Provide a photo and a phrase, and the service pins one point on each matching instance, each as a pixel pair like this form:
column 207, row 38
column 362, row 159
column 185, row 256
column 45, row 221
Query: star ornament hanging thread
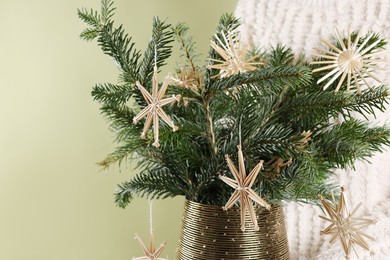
column 233, row 54
column 153, row 111
column 344, row 226
column 243, row 189
column 351, row 60
column 151, row 253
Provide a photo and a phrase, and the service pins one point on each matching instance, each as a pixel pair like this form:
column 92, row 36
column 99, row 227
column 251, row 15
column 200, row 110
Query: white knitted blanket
column 299, row 24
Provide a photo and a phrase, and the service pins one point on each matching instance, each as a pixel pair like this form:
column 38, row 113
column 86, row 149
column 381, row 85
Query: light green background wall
column 54, row 203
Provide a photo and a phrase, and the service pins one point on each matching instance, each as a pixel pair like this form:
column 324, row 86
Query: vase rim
column 220, row 206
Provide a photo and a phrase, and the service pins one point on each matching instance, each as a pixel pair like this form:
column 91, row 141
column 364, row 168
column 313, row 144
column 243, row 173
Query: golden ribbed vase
column 210, row 233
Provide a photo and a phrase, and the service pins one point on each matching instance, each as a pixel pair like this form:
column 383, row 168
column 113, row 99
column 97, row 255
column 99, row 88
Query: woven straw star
column 243, row 191
column 353, row 60
column 188, row 79
column 150, row 253
column 344, row 226
column 154, row 109
column 234, row 56
column 278, row 163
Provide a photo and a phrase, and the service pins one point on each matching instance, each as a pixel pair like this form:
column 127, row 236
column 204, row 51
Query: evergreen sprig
column 159, row 48
column 275, row 76
column 350, row 141
column 153, row 184
column 111, row 93
column 187, row 46
column 118, row 45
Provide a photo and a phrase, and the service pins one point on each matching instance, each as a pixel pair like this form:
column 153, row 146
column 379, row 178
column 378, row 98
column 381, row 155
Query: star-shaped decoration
column 154, row 109
column 150, row 253
column 278, row 163
column 234, row 56
column 243, row 191
column 352, row 60
column 344, row 225
column 189, row 79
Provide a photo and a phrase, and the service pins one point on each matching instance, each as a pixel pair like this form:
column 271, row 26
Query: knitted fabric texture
column 299, row 24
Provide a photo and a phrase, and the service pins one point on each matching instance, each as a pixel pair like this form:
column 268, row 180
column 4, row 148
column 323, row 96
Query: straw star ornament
column 234, row 56
column 243, row 191
column 151, row 253
column 154, row 109
column 345, row 226
column 188, row 79
column 349, row 61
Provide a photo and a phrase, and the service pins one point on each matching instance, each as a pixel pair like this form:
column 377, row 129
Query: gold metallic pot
column 210, row 233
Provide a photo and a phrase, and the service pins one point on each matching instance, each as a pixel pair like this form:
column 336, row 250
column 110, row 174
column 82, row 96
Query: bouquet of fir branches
column 287, row 118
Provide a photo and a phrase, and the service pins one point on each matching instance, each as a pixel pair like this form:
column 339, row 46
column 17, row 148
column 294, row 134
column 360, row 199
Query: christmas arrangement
column 245, row 127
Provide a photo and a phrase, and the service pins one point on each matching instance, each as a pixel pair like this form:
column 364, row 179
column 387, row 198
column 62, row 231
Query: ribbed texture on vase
column 210, row 233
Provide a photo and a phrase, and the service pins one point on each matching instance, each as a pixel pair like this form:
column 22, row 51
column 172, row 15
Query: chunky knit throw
column 299, row 24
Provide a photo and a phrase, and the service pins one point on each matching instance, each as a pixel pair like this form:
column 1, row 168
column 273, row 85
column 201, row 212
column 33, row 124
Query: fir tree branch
column 121, row 153
column 160, row 46
column 210, row 125
column 89, row 17
column 112, row 94
column 350, row 141
column 119, row 116
column 369, row 100
column 187, row 46
column 123, row 195
column 118, row 45
column 272, row 140
column 310, row 109
column 120, row 119
column 280, row 56
column 89, row 34
column 277, row 77
column 154, row 184
column 95, row 20
column 107, row 11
